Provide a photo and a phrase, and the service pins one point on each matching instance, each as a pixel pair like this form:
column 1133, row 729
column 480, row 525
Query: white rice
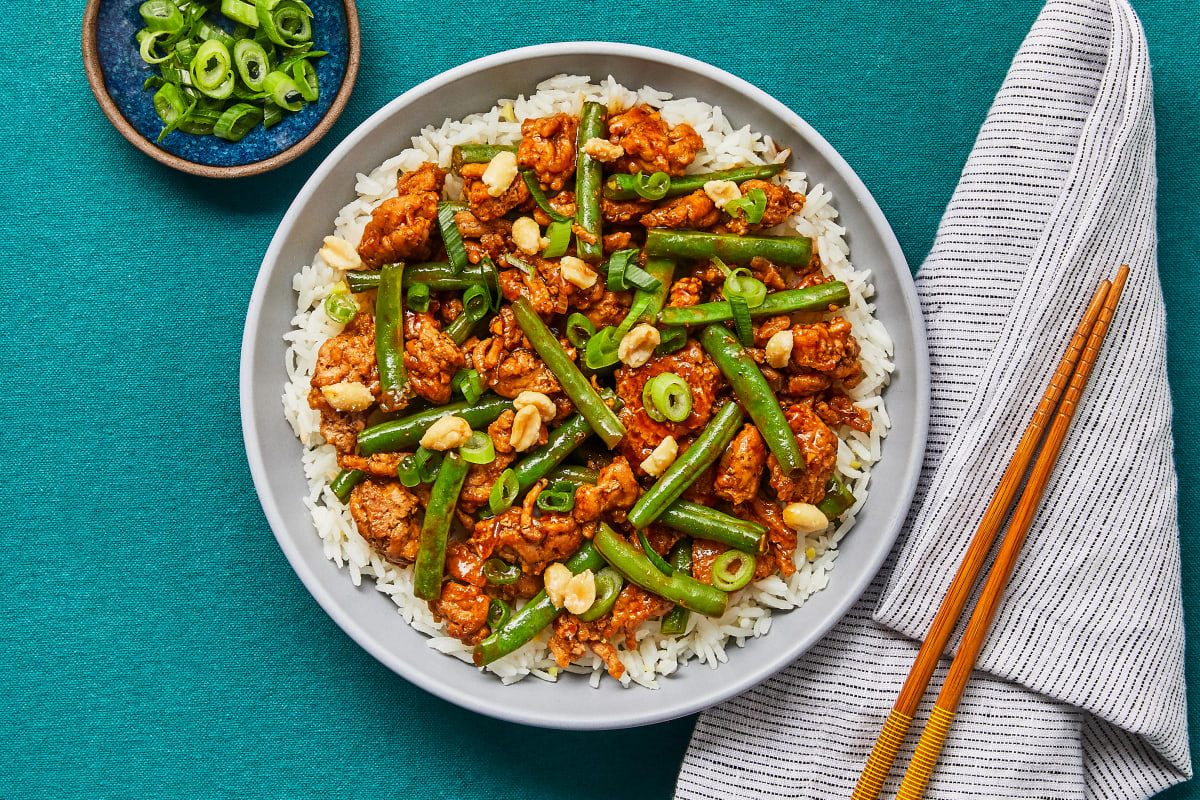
column 749, row 611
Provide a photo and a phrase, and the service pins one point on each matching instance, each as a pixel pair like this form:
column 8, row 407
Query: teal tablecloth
column 154, row 640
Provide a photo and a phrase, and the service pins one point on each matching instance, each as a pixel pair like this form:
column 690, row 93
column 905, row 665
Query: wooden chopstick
column 879, row 763
column 936, row 729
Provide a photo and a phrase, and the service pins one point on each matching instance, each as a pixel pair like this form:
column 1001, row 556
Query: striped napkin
column 1079, row 692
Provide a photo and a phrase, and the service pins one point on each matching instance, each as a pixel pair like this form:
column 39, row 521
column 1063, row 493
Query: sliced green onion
column 476, row 302
column 305, row 75
column 838, row 498
column 601, row 350
column 272, row 114
column 420, row 467
column 146, row 44
column 478, row 449
column 468, row 383
column 418, row 298
column 618, row 262
column 185, row 50
column 499, row 613
column 670, row 340
column 539, row 197
column 653, row 186
column 559, row 234
column 207, row 33
column 340, row 307
column 670, row 395
column 237, row 120
column 251, row 62
column 283, row 90
column 633, row 317
column 609, row 583
column 171, row 107
column 212, row 70
column 658, row 561
column 518, row 263
column 284, row 22
column 491, row 282
column 648, row 404
column 740, row 283
column 161, row 16
column 240, row 12
column 504, row 492
column 579, row 330
column 639, row 278
column 741, row 320
column 558, row 497
column 732, row 570
column 500, row 572
column 456, row 251
column 753, row 205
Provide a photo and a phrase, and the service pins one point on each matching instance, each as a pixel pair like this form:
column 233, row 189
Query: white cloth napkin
column 1079, row 692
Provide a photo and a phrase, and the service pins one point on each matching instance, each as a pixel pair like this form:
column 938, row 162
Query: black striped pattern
column 1084, row 691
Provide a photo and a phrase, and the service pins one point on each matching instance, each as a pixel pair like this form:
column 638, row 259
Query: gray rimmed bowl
column 369, row 617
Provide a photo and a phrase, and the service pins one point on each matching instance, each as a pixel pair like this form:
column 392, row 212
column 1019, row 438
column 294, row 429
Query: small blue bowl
column 116, row 74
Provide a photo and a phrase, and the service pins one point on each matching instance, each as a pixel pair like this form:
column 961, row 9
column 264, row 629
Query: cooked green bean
column 577, row 387
column 345, row 482
column 700, row 522
column 589, row 174
column 751, row 389
column 389, row 339
column 399, row 434
column 621, row 187
column 675, row 621
column 534, row 615
column 561, row 442
column 822, row 297
column 729, row 247
column 609, row 583
column 681, row 589
column 439, row 513
column 687, row 467
column 476, row 154
column 438, row 275
column 838, row 498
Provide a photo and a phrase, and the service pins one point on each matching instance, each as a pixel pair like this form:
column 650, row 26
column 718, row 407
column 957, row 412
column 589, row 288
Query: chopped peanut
column 545, row 406
column 556, row 577
column 348, row 396
column 507, row 113
column 638, row 345
column 446, row 434
column 527, row 235
column 526, row 426
column 339, row 254
column 603, row 150
column 779, row 349
column 580, row 593
column 500, row 173
column 662, row 457
column 722, row 192
column 804, row 518
column 577, row 273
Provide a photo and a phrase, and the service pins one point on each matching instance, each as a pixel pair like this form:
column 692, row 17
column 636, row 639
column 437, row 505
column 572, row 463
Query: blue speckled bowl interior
column 125, row 72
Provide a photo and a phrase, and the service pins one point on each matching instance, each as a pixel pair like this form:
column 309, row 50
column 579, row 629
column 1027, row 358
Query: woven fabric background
column 155, row 641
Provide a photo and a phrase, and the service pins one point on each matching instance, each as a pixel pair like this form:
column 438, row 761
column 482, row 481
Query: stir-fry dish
column 588, row 396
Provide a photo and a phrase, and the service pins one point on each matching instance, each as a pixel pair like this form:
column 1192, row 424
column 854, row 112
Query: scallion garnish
column 418, row 298
column 478, row 449
column 559, row 234
column 653, row 186
column 753, row 205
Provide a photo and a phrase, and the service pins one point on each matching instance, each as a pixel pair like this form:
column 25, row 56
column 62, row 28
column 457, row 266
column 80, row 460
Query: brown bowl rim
column 95, row 77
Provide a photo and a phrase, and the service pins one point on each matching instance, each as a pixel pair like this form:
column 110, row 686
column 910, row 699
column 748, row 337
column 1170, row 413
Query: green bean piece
column 609, row 584
column 621, row 187
column 431, row 555
column 697, row 521
column 476, row 154
column 729, row 247
column 681, row 589
column 346, row 480
column 389, row 339
column 707, row 448
column 398, row 434
column 751, row 389
column 561, row 441
column 577, row 387
column 461, row 328
column 589, row 174
column 534, row 615
column 661, row 269
column 822, row 297
column 438, row 275
column 838, row 498
column 675, row 621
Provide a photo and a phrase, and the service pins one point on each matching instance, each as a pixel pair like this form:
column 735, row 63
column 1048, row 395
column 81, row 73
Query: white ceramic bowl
column 369, row 617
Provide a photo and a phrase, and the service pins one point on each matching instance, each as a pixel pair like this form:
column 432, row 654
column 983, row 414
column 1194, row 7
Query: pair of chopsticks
column 1076, row 366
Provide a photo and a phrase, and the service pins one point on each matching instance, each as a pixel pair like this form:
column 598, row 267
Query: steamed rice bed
column 748, row 614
